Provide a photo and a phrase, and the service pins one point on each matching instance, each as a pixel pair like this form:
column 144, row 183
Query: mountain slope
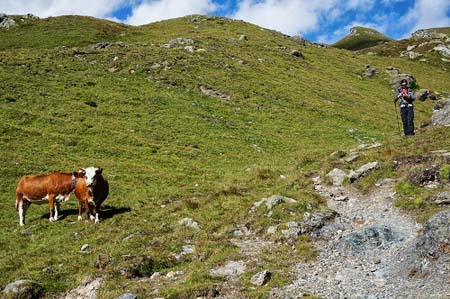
column 361, row 38
column 136, row 106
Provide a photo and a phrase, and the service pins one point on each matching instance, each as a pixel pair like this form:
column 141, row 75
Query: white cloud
column 287, row 16
column 151, row 11
column 364, row 5
column 46, row 8
column 428, row 14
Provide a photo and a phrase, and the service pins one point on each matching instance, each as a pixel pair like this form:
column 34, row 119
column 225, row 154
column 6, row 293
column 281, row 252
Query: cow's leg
column 97, row 211
column 88, row 210
column 19, row 208
column 51, row 203
column 56, row 210
column 80, row 210
column 23, row 207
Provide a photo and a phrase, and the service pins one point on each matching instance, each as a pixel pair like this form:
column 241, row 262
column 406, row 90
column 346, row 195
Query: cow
column 93, row 189
column 52, row 188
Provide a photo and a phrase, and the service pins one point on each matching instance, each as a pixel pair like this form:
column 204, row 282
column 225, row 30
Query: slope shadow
column 105, row 213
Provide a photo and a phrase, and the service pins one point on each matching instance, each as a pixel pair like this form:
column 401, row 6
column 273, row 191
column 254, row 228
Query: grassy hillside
column 361, row 38
column 169, row 151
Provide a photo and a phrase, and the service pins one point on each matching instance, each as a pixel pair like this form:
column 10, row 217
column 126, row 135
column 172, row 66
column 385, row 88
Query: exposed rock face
column 6, row 22
column 127, row 296
column 442, row 198
column 23, row 289
column 363, row 170
column 428, row 34
column 369, row 238
column 436, row 235
column 441, row 114
column 86, row 290
column 443, row 50
column 231, row 268
column 337, row 176
column 105, row 45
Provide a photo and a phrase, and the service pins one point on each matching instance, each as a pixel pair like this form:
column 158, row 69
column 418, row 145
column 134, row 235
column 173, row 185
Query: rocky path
column 368, row 252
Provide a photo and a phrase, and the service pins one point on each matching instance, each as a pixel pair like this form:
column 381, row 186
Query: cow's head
column 91, row 174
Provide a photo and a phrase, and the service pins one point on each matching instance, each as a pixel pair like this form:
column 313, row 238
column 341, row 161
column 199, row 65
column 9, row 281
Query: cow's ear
column 81, row 172
column 99, row 170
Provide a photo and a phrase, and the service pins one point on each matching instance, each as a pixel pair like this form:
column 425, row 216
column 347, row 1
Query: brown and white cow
column 53, row 188
column 93, row 189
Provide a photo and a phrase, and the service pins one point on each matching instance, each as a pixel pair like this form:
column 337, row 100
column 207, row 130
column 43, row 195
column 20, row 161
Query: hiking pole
column 398, row 124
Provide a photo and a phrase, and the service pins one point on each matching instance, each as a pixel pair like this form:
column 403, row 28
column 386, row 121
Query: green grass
column 170, row 152
column 362, row 38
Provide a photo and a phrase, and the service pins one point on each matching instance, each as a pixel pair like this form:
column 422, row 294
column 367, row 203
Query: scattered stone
column 396, row 79
column 271, row 230
column 241, row 231
column 113, row 70
column 424, row 175
column 441, row 114
column 178, row 42
column 189, row 222
column 297, row 53
column 299, row 39
column 261, row 278
column 84, row 248
column 105, row 45
column 312, row 223
column 214, row 93
column 341, row 198
column 86, row 290
column 292, row 231
column 127, row 296
column 231, row 268
column 338, row 154
column 392, row 71
column 185, row 250
column 443, row 50
column 370, row 72
column 272, row 201
column 337, row 176
column 23, row 289
column 363, row 171
column 428, row 34
column 6, row 22
column 435, row 239
column 442, row 198
column 422, row 94
column 352, row 158
column 190, row 49
column 243, row 38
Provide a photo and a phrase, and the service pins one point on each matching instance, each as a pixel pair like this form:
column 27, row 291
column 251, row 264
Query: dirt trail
column 368, row 252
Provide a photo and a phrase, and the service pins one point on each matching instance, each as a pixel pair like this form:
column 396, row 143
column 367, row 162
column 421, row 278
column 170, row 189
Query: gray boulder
column 369, row 238
column 272, row 201
column 422, row 94
column 337, row 176
column 23, row 289
column 127, row 296
column 436, row 235
column 299, row 39
column 441, row 113
column 442, row 198
column 363, row 171
column 189, row 222
column 231, row 268
column 243, row 37
column 261, row 278
column 396, row 79
column 178, row 42
column 443, row 50
column 297, row 53
column 7, row 22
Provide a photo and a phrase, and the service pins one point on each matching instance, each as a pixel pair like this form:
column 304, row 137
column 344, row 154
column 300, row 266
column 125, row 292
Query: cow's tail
column 18, row 198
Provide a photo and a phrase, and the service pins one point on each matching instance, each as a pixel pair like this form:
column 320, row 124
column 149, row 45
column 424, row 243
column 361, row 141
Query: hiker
column 407, row 98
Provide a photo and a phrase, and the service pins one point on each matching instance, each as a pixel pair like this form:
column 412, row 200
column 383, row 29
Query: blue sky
column 323, row 21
